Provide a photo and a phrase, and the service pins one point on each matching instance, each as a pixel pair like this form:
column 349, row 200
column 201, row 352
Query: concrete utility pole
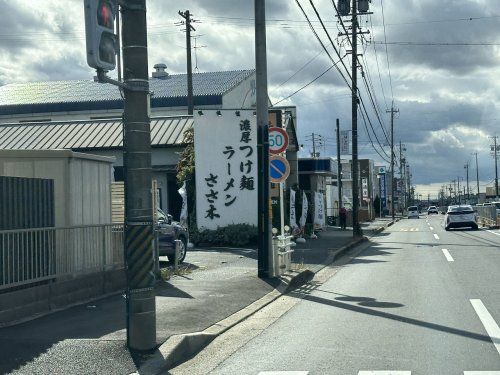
column 466, row 166
column 392, row 111
column 496, row 165
column 458, row 190
column 339, row 166
column 141, row 309
column 187, row 17
column 477, row 178
column 265, row 255
column 314, row 145
column 355, row 167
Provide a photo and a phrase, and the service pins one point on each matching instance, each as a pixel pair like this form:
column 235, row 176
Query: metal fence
column 32, row 255
column 487, row 215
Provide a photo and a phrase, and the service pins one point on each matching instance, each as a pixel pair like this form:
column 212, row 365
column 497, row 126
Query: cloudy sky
column 440, row 66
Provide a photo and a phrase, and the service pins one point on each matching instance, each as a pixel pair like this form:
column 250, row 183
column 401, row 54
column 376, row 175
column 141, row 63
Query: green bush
column 232, row 235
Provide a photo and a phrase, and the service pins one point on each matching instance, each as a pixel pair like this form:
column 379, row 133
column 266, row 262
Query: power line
column 437, row 43
column 308, row 84
column 386, row 51
column 300, row 69
column 378, row 67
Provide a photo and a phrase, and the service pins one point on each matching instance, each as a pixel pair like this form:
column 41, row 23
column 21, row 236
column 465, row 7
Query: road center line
column 283, row 372
column 447, row 255
column 488, row 322
column 436, row 236
column 384, row 373
column 481, row 372
column 431, row 228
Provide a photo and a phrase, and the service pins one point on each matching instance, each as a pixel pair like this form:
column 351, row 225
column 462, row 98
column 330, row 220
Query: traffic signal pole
column 141, row 308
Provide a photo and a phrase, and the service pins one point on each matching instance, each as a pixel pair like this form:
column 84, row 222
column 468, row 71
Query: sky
column 438, row 62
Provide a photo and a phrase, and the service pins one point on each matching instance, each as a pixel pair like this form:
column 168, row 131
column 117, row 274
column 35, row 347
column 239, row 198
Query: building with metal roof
column 105, row 138
column 86, row 99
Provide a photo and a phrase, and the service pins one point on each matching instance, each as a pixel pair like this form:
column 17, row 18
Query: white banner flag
column 184, row 210
column 305, row 205
column 345, row 142
column 319, row 210
column 293, row 219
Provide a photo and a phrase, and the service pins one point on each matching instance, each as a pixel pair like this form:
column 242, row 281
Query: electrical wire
column 386, row 50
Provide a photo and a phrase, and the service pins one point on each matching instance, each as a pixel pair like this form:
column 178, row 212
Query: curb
column 179, row 348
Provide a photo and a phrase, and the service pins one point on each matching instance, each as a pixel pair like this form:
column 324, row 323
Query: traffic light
column 100, row 33
column 363, row 6
column 344, row 7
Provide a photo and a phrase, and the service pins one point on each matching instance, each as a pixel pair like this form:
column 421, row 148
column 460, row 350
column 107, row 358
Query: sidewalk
column 219, row 282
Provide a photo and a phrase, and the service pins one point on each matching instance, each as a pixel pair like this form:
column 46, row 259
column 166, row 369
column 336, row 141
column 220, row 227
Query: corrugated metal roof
column 99, row 134
column 175, row 86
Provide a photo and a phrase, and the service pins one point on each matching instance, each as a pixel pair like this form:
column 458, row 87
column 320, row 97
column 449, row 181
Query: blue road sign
column 279, row 169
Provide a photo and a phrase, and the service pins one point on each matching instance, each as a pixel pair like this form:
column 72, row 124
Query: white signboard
column 364, row 184
column 344, row 142
column 226, row 168
column 293, row 218
column 319, row 210
column 305, row 206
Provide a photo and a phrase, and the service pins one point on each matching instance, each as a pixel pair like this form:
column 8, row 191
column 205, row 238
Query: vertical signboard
column 382, row 188
column 345, row 142
column 226, row 168
column 364, row 185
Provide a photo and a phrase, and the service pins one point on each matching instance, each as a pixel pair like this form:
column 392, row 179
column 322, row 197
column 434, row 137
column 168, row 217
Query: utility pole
column 458, row 190
column 477, row 178
column 339, row 166
column 466, row 166
column 265, row 254
column 393, row 190
column 495, row 150
column 187, row 19
column 314, row 145
column 141, row 310
column 355, row 167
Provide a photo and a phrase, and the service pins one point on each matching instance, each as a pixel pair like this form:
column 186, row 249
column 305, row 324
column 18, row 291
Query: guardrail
column 32, row 255
column 487, row 215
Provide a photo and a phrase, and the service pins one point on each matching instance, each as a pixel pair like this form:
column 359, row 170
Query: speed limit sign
column 278, row 140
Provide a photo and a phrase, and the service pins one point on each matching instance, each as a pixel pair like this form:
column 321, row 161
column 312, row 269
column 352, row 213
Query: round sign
column 279, row 169
column 278, row 140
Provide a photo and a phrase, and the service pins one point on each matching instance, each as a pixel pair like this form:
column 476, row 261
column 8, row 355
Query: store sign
column 382, row 188
column 226, row 168
column 364, row 185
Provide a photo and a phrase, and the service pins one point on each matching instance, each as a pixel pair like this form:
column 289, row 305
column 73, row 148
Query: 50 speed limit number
column 278, row 140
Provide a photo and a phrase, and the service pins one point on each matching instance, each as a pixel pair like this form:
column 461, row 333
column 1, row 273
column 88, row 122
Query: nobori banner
column 226, row 168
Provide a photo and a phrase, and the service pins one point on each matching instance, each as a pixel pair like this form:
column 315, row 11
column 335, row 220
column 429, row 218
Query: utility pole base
column 142, row 319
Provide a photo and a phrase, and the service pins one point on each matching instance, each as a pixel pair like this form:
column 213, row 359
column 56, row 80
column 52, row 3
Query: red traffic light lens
column 105, row 16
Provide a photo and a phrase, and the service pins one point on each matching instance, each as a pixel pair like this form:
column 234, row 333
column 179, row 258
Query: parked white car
column 460, row 217
column 413, row 212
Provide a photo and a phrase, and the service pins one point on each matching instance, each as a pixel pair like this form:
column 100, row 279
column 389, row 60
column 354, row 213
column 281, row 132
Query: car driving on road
column 432, row 210
column 413, row 212
column 462, row 216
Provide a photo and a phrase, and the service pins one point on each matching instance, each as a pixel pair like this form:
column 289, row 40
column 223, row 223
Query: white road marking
column 481, row 372
column 447, row 255
column 431, row 228
column 384, row 373
column 283, row 372
column 498, row 234
column 488, row 322
column 436, row 236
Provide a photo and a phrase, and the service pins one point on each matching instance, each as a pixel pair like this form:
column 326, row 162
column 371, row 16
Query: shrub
column 231, row 235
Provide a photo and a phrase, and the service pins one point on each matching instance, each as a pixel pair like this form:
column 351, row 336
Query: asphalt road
column 419, row 300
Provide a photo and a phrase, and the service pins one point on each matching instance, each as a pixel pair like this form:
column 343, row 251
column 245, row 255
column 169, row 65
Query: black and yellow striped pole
column 141, row 308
